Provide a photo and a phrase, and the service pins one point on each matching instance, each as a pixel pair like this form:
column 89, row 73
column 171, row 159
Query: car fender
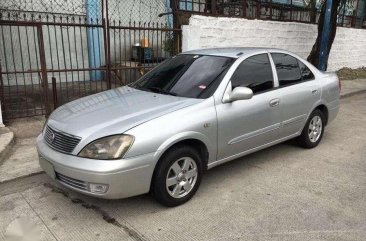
column 185, row 136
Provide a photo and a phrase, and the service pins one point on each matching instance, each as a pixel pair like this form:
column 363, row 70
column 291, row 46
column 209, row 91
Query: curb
column 21, row 177
column 6, row 142
column 352, row 93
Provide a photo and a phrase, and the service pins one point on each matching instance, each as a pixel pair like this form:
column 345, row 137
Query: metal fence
column 351, row 13
column 48, row 59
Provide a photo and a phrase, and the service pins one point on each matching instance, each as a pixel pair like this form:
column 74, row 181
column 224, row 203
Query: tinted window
column 305, row 72
column 185, row 75
column 255, row 73
column 287, row 67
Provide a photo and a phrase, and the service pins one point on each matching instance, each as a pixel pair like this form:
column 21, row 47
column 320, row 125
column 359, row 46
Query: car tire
column 177, row 176
column 313, row 131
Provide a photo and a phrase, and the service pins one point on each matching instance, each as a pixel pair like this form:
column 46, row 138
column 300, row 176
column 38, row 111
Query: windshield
column 186, row 75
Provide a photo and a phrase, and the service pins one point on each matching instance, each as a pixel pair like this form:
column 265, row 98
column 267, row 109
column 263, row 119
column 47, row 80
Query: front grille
column 60, row 141
column 72, row 182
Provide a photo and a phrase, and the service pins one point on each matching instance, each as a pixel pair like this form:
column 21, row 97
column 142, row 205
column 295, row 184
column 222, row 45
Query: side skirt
column 218, row 162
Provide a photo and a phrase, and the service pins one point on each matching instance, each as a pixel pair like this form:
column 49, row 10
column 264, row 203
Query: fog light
column 98, row 188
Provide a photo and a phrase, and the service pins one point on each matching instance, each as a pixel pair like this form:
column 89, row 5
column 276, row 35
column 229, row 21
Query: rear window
column 287, row 68
column 305, row 72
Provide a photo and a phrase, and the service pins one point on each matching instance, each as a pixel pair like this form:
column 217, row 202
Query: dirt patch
column 350, row 74
column 105, row 215
column 29, row 127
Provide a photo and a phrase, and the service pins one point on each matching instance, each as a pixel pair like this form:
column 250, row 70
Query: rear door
column 298, row 90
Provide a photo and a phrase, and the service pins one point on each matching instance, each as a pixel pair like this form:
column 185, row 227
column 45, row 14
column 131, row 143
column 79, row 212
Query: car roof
column 234, row 52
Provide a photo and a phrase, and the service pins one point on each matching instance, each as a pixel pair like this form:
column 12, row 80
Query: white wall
column 348, row 50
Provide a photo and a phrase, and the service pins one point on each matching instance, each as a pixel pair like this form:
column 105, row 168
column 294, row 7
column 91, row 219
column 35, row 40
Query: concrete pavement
column 281, row 193
column 21, row 158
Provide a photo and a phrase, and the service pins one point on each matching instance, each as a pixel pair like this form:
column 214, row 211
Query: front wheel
column 177, row 176
column 313, row 130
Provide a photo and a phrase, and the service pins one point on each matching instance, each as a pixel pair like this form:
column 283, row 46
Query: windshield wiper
column 161, row 91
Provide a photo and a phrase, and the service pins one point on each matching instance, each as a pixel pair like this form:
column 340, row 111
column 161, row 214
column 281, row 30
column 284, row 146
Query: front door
column 246, row 124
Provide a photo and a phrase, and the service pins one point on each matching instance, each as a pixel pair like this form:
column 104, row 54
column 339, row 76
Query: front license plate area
column 47, row 166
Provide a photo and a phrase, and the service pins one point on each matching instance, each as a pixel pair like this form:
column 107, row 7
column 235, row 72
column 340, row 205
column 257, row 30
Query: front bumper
column 125, row 177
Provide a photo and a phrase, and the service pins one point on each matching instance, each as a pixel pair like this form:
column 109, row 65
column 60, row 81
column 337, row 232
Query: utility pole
column 325, row 36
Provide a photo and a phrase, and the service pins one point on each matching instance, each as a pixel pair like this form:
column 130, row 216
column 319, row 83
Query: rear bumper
column 125, row 177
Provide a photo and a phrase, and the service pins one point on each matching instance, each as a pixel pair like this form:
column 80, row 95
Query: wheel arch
column 323, row 108
column 195, row 140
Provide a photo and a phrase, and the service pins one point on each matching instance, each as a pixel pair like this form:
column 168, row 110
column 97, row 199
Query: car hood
column 114, row 111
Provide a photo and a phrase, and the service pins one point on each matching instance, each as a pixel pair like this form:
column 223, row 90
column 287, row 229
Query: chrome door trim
column 254, row 133
column 226, row 159
column 294, row 120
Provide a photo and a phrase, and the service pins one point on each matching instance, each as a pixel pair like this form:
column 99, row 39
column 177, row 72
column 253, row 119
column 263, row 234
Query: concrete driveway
column 281, row 193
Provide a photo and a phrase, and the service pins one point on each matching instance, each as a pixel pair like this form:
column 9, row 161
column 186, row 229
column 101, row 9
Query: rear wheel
column 313, row 130
column 177, row 176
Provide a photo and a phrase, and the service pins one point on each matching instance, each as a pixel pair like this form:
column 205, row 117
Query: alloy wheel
column 181, row 177
column 315, row 128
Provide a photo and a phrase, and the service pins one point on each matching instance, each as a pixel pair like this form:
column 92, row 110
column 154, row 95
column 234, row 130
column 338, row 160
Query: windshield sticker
column 202, row 87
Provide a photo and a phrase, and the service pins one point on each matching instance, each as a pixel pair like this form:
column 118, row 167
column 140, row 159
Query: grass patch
column 350, row 74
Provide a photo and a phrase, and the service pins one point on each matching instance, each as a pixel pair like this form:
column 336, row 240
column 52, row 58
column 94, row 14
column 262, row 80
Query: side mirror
column 239, row 93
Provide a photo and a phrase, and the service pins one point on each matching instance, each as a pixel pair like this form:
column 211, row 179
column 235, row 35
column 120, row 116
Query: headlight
column 106, row 148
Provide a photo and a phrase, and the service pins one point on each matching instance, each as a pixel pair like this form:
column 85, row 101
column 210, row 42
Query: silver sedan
column 191, row 113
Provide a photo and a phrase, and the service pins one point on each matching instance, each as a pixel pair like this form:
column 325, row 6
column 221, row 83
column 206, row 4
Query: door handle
column 314, row 91
column 274, row 102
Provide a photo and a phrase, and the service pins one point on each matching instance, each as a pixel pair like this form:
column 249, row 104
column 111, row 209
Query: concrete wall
column 349, row 47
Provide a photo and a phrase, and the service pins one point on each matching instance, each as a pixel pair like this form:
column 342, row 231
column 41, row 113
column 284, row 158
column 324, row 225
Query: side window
column 287, row 67
column 305, row 72
column 255, row 73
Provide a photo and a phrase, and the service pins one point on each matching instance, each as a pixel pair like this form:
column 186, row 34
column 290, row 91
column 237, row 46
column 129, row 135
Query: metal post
column 1, row 117
column 325, row 36
column 1, row 97
column 42, row 59
column 107, row 47
column 291, row 6
column 213, row 7
column 94, row 43
column 54, row 93
column 244, row 8
column 270, row 9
